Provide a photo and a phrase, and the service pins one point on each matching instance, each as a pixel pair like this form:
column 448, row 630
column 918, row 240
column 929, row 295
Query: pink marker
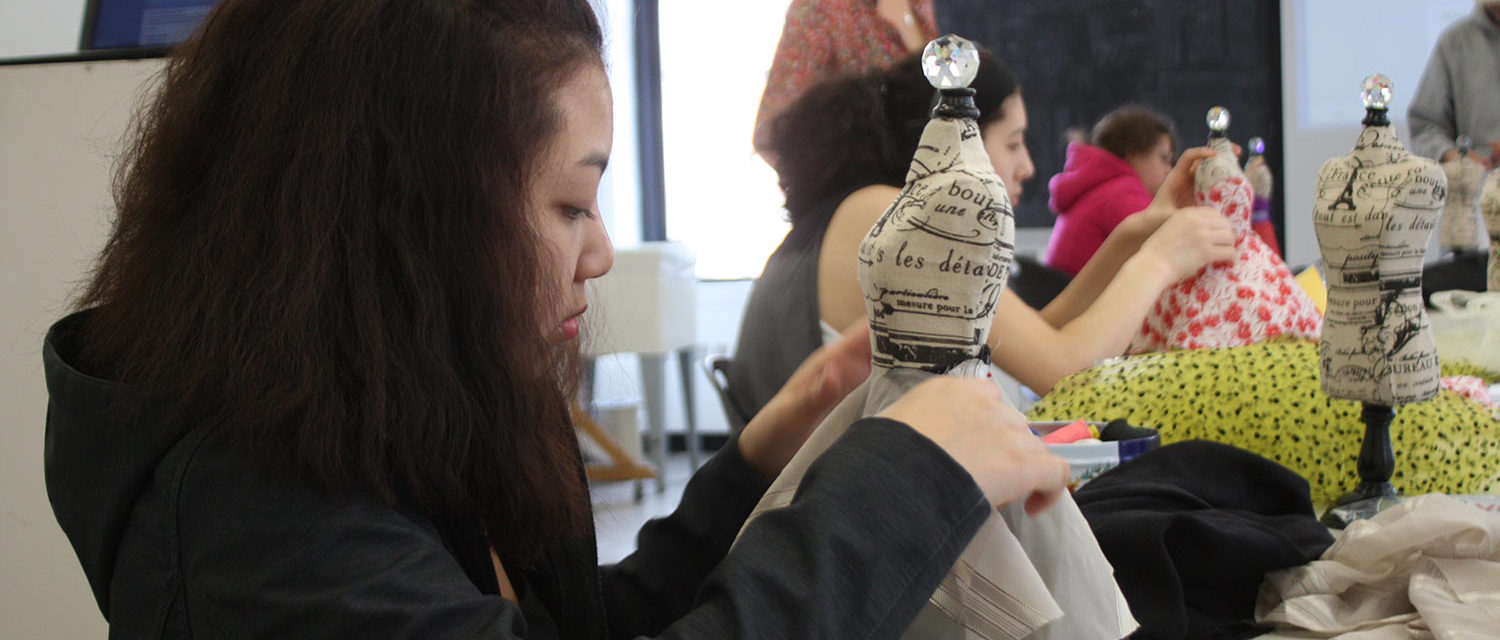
column 1078, row 430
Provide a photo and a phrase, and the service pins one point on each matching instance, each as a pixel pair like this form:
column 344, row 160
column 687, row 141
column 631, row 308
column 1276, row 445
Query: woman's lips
column 569, row 327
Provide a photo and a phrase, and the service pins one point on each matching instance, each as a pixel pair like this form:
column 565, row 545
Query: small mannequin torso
column 1252, row 299
column 1375, row 210
column 1259, row 176
column 934, row 265
column 1460, row 225
column 1489, row 206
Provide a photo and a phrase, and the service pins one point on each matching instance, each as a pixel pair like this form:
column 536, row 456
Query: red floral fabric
column 1228, row 305
column 824, row 38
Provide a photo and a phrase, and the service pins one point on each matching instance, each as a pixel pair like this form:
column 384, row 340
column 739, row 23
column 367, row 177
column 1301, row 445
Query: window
column 721, row 198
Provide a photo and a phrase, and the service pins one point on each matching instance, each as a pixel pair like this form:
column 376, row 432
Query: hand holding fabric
column 1189, row 239
column 971, row 421
column 1178, row 190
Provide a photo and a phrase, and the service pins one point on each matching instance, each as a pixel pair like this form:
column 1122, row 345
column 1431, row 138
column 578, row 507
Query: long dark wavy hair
column 862, row 129
column 323, row 244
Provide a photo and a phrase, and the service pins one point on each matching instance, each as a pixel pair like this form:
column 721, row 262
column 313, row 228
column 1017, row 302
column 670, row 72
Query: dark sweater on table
column 180, row 540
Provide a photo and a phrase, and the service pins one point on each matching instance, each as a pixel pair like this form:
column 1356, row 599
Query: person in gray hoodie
column 1459, row 93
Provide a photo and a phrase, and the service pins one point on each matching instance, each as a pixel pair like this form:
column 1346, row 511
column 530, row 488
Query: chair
column 716, row 367
column 1036, row 284
column 648, row 303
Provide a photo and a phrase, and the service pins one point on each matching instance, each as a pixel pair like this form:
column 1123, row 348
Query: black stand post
column 1377, row 462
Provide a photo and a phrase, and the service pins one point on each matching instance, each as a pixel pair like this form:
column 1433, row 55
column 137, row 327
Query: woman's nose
column 598, row 254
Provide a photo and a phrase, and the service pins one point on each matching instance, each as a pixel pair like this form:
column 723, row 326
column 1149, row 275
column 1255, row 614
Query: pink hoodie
column 1095, row 192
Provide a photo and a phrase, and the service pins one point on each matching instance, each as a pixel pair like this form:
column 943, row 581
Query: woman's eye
column 576, row 213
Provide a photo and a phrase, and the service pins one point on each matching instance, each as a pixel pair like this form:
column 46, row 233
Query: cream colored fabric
column 1461, row 228
column 1258, row 173
column 1041, row 577
column 1374, row 211
column 934, row 265
column 1426, row 568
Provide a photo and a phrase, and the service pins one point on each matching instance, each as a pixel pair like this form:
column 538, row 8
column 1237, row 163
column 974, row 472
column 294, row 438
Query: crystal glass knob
column 1218, row 119
column 950, row 62
column 1257, row 145
column 1376, row 92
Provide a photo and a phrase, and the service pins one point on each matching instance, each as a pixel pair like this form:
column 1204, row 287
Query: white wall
column 30, row 28
column 59, row 124
column 39, row 27
column 1327, row 49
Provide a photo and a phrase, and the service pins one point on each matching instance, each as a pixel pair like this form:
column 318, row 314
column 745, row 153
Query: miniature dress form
column 1249, row 300
column 1262, row 184
column 932, row 269
column 1459, row 231
column 1375, row 210
column 1489, row 205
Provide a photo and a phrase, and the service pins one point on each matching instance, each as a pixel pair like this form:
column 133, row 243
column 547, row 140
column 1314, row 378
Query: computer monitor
column 140, row 24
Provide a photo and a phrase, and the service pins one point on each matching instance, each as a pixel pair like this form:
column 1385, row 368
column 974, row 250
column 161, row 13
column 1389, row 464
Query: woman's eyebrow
column 599, row 160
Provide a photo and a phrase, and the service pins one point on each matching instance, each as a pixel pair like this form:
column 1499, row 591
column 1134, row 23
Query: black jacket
column 179, row 539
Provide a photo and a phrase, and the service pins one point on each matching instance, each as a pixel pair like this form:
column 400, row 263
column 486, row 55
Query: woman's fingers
column 970, row 420
column 829, row 374
column 1052, row 481
column 1177, row 189
column 776, row 433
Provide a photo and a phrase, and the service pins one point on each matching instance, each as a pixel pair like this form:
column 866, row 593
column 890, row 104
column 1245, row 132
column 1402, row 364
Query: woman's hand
column 971, row 421
column 776, row 433
column 1188, row 239
column 1177, row 191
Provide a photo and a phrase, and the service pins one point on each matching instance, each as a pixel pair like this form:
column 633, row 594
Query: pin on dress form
column 1251, row 299
column 1460, row 230
column 1374, row 212
column 932, row 269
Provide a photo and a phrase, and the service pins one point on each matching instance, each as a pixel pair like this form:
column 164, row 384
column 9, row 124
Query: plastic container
column 1089, row 458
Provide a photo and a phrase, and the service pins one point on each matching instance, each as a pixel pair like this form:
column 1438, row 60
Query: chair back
column 716, row 367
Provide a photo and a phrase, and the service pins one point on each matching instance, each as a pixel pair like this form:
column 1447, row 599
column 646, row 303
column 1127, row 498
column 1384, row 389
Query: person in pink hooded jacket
column 1104, row 182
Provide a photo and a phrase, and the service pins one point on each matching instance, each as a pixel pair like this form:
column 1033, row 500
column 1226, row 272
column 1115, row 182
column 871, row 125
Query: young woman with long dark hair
column 318, row 383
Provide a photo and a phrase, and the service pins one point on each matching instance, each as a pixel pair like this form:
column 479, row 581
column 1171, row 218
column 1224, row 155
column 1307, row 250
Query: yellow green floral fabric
column 1265, row 398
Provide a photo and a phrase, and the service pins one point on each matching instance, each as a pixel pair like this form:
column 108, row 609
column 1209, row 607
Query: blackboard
column 1079, row 59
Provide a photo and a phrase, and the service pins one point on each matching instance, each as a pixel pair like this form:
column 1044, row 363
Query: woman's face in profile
column 1154, row 164
column 1005, row 142
column 564, row 203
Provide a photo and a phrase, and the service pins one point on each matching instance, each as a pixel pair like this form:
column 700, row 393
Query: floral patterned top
column 823, row 38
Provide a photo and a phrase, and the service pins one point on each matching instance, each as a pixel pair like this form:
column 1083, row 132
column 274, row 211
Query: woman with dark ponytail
column 318, row 383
